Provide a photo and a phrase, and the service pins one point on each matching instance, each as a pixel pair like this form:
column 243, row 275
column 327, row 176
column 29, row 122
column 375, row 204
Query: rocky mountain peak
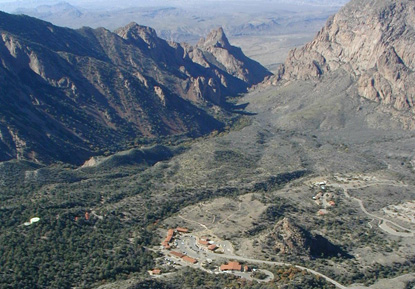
column 216, row 38
column 216, row 47
column 374, row 41
column 135, row 32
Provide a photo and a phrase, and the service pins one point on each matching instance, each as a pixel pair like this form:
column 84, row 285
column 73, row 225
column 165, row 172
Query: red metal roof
column 156, row 271
column 201, row 242
column 188, row 259
column 232, row 266
column 182, row 230
column 212, row 247
column 177, row 254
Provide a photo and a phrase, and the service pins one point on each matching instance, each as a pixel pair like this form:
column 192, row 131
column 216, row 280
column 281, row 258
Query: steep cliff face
column 69, row 94
column 374, row 41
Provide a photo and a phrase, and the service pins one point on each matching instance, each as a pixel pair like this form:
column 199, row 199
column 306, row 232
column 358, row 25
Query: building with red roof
column 212, row 247
column 189, row 259
column 203, row 242
column 177, row 254
column 182, row 230
column 168, row 239
column 231, row 266
column 155, row 272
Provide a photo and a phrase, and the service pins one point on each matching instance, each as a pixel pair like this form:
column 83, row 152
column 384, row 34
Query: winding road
column 384, row 222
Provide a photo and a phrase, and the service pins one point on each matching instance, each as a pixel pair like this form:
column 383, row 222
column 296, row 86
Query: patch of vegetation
column 378, row 271
column 410, row 285
column 234, row 158
column 295, row 278
column 259, row 275
column 191, row 278
column 59, row 252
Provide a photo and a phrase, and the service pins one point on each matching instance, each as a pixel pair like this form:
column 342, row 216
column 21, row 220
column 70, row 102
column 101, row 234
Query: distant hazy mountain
column 187, row 20
column 315, row 2
column 69, row 94
column 62, row 9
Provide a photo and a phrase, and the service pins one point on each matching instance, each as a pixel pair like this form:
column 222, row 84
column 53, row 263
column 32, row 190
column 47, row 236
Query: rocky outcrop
column 70, row 94
column 288, row 239
column 374, row 41
column 140, row 35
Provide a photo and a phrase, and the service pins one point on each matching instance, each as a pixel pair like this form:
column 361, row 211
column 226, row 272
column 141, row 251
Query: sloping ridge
column 144, row 157
column 374, row 41
column 70, row 94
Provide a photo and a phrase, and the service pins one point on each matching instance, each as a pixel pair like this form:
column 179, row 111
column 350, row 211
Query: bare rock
column 222, row 54
column 287, row 238
column 373, row 40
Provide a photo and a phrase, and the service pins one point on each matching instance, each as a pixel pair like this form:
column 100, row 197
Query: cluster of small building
column 170, row 234
column 321, row 184
column 167, row 245
column 323, row 197
column 204, row 242
column 328, row 197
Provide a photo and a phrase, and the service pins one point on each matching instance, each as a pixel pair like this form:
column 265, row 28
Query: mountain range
column 187, row 20
column 69, row 94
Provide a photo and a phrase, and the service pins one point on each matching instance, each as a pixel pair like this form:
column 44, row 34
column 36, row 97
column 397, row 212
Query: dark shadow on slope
column 321, row 247
column 273, row 182
column 238, row 108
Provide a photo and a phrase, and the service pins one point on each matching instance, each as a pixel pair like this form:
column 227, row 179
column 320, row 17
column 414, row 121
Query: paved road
column 384, row 222
column 248, row 276
column 187, row 244
column 250, row 260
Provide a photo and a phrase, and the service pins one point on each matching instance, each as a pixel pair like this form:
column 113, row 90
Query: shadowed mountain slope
column 69, row 94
